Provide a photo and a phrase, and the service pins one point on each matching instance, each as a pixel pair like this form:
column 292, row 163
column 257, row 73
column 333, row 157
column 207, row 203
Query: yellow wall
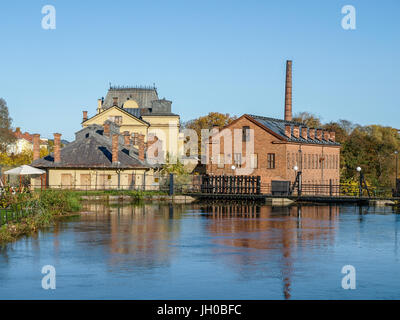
column 165, row 127
column 55, row 179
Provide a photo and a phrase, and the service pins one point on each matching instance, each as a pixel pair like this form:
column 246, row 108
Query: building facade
column 24, row 143
column 281, row 148
column 99, row 158
column 138, row 110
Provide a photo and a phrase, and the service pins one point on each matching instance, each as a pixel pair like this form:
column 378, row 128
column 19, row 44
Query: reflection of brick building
column 279, row 146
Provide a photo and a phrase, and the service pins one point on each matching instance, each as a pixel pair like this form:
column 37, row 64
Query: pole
column 171, row 184
column 360, row 185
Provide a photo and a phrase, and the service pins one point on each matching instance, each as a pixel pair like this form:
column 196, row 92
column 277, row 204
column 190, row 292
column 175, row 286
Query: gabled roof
column 128, row 112
column 277, row 126
column 92, row 149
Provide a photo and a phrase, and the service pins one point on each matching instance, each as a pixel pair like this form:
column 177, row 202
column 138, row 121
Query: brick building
column 281, row 147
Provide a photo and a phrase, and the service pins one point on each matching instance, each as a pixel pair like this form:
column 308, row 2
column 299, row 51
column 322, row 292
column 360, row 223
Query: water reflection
column 282, row 229
column 208, row 250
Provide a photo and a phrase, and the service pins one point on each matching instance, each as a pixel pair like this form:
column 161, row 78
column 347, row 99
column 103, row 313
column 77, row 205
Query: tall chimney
column 106, row 129
column 84, row 116
column 36, row 147
column 115, row 148
column 288, row 91
column 57, row 148
column 141, row 146
column 127, row 139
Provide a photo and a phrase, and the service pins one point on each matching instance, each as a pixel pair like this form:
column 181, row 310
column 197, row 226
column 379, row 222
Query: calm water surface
column 161, row 251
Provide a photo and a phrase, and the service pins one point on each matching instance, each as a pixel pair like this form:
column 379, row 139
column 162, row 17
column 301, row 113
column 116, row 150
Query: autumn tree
column 6, row 135
column 212, row 120
column 308, row 119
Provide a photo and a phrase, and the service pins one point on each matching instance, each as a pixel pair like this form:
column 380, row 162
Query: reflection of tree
column 137, row 236
column 277, row 230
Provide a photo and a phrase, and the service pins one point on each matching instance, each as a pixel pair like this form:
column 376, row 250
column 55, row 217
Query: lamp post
column 233, row 170
column 360, row 183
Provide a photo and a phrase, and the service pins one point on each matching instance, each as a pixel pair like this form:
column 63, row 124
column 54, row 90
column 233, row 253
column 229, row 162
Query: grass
column 49, row 205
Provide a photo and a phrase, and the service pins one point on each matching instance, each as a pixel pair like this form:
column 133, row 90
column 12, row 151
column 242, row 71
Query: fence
column 18, row 211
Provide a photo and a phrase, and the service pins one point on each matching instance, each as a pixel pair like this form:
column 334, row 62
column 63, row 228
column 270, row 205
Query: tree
column 308, row 119
column 6, row 134
column 212, row 120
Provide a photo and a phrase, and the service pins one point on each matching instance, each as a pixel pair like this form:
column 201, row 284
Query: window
column 271, row 161
column 116, row 119
column 245, row 134
column 254, row 161
column 221, row 161
column 237, row 159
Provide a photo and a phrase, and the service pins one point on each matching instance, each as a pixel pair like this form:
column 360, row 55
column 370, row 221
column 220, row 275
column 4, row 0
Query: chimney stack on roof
column 326, row 135
column 288, row 91
column 127, row 139
column 141, row 146
column 107, row 129
column 115, row 101
column 85, row 116
column 36, row 146
column 304, row 133
column 288, row 130
column 57, row 148
column 296, row 131
column 115, row 148
column 319, row 134
column 312, row 133
column 333, row 136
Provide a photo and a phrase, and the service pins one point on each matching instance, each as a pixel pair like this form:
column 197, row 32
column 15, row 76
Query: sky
column 204, row 56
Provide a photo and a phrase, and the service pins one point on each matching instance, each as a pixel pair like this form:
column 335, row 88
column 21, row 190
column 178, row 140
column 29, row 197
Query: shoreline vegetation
column 52, row 205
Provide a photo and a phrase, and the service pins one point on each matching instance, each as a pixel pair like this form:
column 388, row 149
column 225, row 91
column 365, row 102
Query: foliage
column 212, row 120
column 6, row 135
column 309, row 119
column 370, row 147
column 25, row 157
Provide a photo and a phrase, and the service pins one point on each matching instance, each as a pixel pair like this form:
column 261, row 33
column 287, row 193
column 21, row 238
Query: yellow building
column 138, row 110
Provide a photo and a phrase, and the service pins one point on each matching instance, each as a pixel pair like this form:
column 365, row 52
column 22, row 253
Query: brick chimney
column 36, row 146
column 296, row 131
column 106, row 129
column 115, row 101
column 57, row 148
column 304, row 133
column 141, row 146
column 312, row 133
column 288, row 130
column 115, row 148
column 333, row 136
column 127, row 139
column 326, row 135
column 99, row 103
column 85, row 117
column 319, row 134
column 288, row 91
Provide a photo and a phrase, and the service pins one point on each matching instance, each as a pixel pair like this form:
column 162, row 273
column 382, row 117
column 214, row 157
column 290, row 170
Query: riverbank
column 49, row 206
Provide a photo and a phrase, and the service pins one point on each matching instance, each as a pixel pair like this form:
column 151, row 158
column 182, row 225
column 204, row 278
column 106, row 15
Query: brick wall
column 318, row 163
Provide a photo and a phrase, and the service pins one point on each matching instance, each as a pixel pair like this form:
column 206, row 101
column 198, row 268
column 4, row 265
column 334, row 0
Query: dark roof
column 278, row 127
column 92, row 149
column 142, row 95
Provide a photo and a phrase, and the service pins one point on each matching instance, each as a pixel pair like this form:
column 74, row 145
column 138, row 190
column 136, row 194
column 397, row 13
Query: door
column 66, row 181
column 85, row 181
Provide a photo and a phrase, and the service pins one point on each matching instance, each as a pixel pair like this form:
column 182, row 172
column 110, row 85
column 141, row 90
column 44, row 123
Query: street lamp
column 233, row 169
column 360, row 183
column 397, row 162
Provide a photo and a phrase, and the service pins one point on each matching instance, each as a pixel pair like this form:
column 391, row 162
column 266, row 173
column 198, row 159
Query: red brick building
column 280, row 147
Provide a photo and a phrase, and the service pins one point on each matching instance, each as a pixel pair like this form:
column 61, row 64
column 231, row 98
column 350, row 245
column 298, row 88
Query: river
column 209, row 251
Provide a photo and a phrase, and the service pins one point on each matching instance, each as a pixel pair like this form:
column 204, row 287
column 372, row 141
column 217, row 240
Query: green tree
column 309, row 119
column 6, row 134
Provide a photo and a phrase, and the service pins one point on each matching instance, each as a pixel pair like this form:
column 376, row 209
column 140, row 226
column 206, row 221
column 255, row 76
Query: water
column 161, row 251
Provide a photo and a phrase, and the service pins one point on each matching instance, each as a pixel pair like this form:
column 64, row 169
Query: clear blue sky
column 225, row 56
